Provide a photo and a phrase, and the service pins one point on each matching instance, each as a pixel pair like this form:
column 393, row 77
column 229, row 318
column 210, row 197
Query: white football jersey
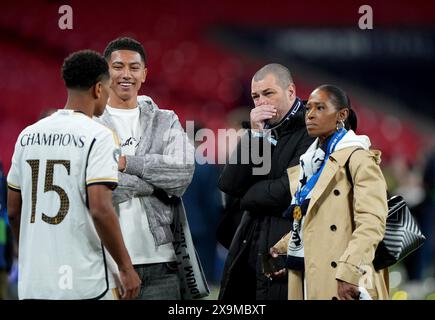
column 55, row 159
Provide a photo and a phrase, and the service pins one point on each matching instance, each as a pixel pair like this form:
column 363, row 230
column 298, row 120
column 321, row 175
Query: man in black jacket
column 277, row 124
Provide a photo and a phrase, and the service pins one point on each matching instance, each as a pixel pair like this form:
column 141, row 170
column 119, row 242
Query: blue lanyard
column 301, row 194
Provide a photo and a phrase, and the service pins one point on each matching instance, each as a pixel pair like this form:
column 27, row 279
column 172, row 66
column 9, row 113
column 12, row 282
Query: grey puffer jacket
column 164, row 160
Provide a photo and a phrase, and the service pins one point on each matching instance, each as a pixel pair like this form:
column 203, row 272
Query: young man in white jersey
column 60, row 195
column 156, row 167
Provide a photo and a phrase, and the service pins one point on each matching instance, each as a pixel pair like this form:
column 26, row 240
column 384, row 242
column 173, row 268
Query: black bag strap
column 349, row 178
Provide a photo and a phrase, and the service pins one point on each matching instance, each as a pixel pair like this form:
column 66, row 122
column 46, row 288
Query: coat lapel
column 336, row 160
column 328, row 173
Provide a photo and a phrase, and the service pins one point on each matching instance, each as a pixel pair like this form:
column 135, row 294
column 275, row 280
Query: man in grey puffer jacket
column 156, row 166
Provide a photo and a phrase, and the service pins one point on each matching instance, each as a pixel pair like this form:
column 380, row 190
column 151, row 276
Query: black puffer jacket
column 264, row 199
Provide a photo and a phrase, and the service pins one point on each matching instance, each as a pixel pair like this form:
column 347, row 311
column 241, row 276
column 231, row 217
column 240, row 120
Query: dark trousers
column 160, row 281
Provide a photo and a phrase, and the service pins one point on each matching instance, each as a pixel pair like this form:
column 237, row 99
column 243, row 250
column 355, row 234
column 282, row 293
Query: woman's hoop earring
column 340, row 124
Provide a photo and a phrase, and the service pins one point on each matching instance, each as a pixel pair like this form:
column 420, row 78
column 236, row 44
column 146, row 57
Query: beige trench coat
column 341, row 237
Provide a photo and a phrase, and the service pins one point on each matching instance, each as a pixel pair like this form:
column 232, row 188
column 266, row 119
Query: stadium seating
column 188, row 72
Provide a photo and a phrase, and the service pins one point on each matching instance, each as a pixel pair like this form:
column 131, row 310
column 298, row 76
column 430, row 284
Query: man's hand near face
column 260, row 114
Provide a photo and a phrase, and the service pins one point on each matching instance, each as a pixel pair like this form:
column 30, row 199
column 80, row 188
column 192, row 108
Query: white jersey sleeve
column 14, row 176
column 102, row 165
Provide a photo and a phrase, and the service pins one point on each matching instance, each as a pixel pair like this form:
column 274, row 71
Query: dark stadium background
column 201, row 57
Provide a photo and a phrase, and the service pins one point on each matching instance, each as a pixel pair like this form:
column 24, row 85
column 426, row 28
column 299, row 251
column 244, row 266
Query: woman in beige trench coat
column 345, row 213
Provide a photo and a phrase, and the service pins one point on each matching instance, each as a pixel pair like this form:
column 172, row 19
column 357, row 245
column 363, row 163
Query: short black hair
column 125, row 43
column 281, row 73
column 83, row 69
